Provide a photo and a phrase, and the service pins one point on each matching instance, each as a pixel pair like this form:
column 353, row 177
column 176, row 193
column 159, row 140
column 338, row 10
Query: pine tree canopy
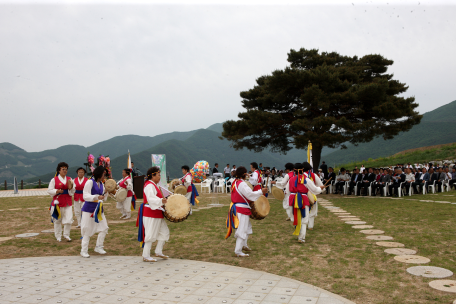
column 326, row 98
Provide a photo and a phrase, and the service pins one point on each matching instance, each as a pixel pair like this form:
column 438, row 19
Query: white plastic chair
column 220, row 185
column 404, row 190
column 206, row 184
column 386, row 189
column 446, row 184
column 231, row 180
column 432, row 186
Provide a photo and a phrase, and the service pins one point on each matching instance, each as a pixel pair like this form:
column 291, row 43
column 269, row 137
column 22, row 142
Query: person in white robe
column 284, row 185
column 186, row 180
column 62, row 198
column 314, row 211
column 125, row 206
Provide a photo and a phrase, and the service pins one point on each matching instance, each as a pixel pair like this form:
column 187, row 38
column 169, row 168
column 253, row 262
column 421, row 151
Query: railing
column 24, row 185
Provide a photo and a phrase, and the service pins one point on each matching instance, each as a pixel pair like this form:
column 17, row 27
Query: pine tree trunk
column 316, row 156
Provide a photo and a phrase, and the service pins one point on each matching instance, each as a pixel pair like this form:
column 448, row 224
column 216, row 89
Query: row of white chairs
column 430, row 187
column 222, row 185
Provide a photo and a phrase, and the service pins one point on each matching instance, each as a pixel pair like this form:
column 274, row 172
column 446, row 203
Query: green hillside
column 420, row 155
column 436, row 127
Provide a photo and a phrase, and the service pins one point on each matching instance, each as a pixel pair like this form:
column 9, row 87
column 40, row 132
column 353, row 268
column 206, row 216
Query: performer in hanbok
column 314, row 210
column 299, row 185
column 150, row 222
column 93, row 219
column 239, row 213
column 61, row 210
column 126, row 183
column 289, row 173
column 186, row 180
column 79, row 184
column 255, row 178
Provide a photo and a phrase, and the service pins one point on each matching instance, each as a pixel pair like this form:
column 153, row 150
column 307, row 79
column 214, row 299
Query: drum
column 177, row 208
column 278, row 193
column 121, row 195
column 249, row 184
column 110, row 185
column 312, row 198
column 70, row 184
column 182, row 190
column 260, row 208
column 173, row 184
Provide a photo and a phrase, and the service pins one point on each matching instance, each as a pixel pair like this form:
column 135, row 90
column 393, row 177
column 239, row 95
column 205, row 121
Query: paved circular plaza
column 116, row 279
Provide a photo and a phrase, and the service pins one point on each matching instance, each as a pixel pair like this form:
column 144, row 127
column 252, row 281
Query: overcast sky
column 83, row 73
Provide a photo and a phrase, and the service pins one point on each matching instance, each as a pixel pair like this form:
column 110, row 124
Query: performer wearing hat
column 255, row 179
column 61, row 211
column 79, row 184
column 238, row 215
column 126, row 183
column 150, row 222
column 313, row 212
column 186, row 180
column 289, row 170
column 93, row 219
column 299, row 187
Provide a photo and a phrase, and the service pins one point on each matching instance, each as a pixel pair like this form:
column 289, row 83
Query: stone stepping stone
column 443, row 202
column 216, row 205
column 14, row 209
column 347, row 216
column 444, row 285
column 400, row 251
column 25, row 235
column 412, row 259
column 349, row 219
column 430, row 272
column 50, row 230
column 372, row 231
column 344, row 213
column 426, row 201
column 379, row 237
column 355, row 222
column 6, row 238
column 332, row 207
column 390, row 244
column 338, row 211
column 448, row 195
column 362, row 226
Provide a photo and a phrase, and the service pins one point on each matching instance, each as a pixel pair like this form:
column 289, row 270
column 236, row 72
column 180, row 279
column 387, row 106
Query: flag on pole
column 309, row 154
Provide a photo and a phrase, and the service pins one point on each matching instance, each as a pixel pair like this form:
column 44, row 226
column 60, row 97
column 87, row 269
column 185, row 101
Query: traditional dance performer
column 93, row 219
column 255, row 179
column 299, row 187
column 79, row 184
column 61, row 211
column 239, row 213
column 151, row 223
column 314, row 210
column 186, row 180
column 289, row 170
column 126, row 183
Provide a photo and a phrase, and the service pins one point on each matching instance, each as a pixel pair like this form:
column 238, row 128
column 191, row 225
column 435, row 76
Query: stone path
column 402, row 254
column 114, row 279
column 26, row 192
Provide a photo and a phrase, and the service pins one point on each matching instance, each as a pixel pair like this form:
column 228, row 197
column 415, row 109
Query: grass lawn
column 335, row 256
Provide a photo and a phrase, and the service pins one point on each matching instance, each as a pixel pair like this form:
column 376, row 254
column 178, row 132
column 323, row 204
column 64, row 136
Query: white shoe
column 99, row 250
column 301, row 241
column 59, row 240
column 68, row 239
column 165, row 257
column 127, row 218
column 85, row 255
column 242, row 255
column 78, row 226
column 149, row 259
column 122, row 216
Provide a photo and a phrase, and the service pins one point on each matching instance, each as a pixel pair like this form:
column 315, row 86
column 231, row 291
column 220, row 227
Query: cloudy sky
column 82, row 73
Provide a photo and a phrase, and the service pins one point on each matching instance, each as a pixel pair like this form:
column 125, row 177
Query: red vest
column 147, row 211
column 299, row 189
column 259, row 181
column 79, row 187
column 122, row 184
column 237, row 198
column 64, row 199
column 189, row 188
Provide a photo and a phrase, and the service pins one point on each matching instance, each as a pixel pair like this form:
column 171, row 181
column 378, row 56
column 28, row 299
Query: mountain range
column 436, row 127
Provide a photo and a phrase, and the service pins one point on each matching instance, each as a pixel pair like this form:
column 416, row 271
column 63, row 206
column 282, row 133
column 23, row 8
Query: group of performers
column 90, row 193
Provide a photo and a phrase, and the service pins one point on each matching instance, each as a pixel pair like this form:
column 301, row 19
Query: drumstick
column 327, row 181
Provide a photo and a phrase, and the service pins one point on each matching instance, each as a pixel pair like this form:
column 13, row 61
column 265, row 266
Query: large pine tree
column 326, row 98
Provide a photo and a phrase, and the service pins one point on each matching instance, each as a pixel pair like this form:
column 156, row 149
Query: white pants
column 313, row 214
column 189, row 197
column 242, row 232
column 155, row 229
column 89, row 227
column 125, row 207
column 304, row 222
column 66, row 220
column 287, row 207
column 77, row 210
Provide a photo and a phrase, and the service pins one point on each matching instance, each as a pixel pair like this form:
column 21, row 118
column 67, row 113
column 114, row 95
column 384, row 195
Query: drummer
column 61, row 210
column 126, row 183
column 150, row 222
column 289, row 170
column 93, row 219
column 191, row 189
column 299, row 185
column 79, row 184
column 255, row 179
column 238, row 216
